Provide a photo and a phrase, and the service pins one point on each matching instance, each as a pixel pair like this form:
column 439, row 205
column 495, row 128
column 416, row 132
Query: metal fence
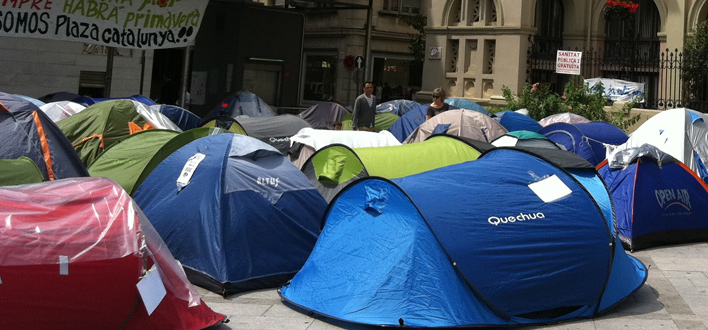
column 662, row 74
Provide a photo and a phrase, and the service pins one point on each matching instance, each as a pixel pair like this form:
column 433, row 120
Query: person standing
column 364, row 113
column 438, row 105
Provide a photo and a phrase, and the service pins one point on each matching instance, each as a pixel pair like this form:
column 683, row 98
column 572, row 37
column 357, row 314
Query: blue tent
column 399, row 107
column 480, row 243
column 467, row 104
column 31, row 99
column 182, row 117
column 241, row 103
column 26, row 131
column 234, row 211
column 405, row 125
column 587, row 139
column 658, row 200
column 514, row 121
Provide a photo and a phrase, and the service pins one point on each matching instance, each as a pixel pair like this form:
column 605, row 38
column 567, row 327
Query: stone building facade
column 475, row 47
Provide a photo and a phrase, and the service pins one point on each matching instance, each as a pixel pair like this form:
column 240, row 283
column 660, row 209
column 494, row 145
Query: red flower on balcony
column 620, row 8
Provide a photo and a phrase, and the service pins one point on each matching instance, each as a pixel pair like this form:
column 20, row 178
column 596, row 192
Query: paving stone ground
column 675, row 296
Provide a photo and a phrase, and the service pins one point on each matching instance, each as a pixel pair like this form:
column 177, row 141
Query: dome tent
column 73, row 253
column 27, row 131
column 275, row 131
column 234, row 211
column 19, row 171
column 524, row 138
column 241, row 103
column 681, row 133
column 658, row 200
column 182, row 117
column 125, row 160
column 588, row 140
column 429, row 251
column 323, row 115
column 514, row 121
column 466, row 104
column 405, row 125
column 459, row 122
column 102, row 124
column 308, row 140
column 333, row 167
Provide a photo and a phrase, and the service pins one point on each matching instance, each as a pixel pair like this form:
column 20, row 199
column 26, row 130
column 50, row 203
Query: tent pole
column 185, row 72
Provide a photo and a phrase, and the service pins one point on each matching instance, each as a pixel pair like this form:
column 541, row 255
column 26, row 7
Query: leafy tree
column 417, row 46
column 695, row 72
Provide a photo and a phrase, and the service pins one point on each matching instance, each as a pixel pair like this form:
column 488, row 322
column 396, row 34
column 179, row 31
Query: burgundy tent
column 72, row 253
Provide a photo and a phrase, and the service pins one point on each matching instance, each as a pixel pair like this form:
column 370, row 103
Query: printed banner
column 568, row 62
column 618, row 90
column 137, row 24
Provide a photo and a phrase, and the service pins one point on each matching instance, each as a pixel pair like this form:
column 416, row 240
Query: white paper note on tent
column 550, row 189
column 151, row 289
column 188, row 170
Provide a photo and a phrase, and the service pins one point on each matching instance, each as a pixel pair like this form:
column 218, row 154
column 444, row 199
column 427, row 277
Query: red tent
column 72, row 252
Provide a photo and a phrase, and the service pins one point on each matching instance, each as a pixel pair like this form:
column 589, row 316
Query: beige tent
column 460, row 122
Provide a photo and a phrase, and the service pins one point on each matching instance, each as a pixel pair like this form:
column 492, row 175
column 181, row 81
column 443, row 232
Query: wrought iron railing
column 662, row 74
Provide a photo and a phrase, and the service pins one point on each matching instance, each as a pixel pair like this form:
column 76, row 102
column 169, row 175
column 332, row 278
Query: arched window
column 549, row 24
column 634, row 36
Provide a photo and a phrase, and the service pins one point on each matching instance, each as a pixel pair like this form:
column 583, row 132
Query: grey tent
column 322, row 115
column 275, row 131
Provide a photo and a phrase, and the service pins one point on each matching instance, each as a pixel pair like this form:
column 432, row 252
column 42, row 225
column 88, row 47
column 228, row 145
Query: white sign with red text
column 568, row 62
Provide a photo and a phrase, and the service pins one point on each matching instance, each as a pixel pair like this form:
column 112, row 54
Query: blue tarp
column 405, row 125
column 462, row 103
column 433, row 250
column 248, row 218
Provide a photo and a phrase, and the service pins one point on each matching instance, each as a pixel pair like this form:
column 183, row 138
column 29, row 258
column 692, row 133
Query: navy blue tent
column 182, row 117
column 481, row 243
column 514, row 121
column 587, row 139
column 658, row 200
column 241, row 103
column 25, row 130
column 234, row 211
column 405, row 125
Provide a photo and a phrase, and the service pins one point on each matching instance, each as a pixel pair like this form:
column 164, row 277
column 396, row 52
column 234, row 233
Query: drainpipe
column 590, row 18
column 367, row 57
column 185, row 77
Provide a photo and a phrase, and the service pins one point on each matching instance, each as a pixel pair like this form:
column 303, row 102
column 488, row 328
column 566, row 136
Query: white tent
column 309, row 140
column 681, row 133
